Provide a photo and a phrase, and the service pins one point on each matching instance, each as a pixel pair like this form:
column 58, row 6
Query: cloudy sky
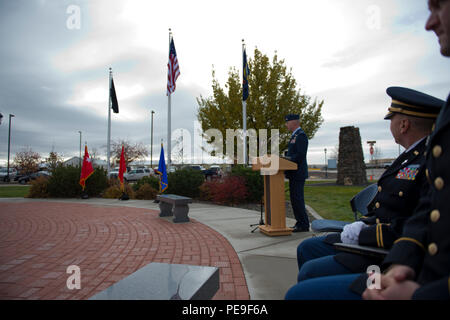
column 55, row 56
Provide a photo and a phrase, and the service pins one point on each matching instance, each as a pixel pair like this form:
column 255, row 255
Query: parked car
column 386, row 165
column 27, row 178
column 113, row 174
column 195, row 167
column 171, row 169
column 213, row 171
column 150, row 172
column 4, row 174
column 136, row 174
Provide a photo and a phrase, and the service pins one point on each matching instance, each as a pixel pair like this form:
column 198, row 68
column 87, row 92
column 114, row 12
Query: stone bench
column 173, row 205
column 163, row 281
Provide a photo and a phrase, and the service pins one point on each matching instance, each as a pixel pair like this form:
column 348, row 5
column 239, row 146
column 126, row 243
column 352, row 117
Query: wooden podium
column 274, row 194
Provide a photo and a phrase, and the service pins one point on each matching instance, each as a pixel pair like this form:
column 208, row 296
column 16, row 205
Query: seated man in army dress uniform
column 412, row 115
column 418, row 264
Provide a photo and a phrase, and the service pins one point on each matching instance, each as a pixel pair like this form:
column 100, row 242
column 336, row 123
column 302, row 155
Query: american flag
column 173, row 69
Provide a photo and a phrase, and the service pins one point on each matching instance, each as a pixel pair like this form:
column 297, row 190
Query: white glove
column 350, row 233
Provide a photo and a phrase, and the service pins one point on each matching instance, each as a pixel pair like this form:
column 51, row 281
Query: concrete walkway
column 112, row 239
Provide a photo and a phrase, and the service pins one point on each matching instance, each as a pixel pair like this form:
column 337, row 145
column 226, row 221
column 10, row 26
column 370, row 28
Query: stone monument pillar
column 351, row 168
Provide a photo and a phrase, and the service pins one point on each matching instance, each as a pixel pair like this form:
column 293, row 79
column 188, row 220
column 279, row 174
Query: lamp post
column 326, row 165
column 80, row 147
column 9, row 145
column 151, row 144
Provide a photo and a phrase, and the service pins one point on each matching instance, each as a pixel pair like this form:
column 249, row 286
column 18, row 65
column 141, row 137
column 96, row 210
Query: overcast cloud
column 54, row 79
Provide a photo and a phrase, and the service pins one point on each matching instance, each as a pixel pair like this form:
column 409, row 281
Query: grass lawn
column 332, row 201
column 14, row 191
column 317, row 181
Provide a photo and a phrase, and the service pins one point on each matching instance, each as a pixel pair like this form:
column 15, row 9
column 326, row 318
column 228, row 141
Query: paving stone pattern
column 39, row 240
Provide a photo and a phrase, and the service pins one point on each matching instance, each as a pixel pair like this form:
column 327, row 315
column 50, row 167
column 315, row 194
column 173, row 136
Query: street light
column 80, row 147
column 9, row 145
column 326, row 165
column 151, row 144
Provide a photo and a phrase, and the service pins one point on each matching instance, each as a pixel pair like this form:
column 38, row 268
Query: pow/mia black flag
column 113, row 98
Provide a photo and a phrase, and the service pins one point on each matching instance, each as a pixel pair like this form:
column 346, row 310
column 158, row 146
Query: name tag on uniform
column 408, row 173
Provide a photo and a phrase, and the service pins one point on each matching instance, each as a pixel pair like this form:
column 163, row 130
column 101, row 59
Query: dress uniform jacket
column 398, row 194
column 297, row 150
column 425, row 242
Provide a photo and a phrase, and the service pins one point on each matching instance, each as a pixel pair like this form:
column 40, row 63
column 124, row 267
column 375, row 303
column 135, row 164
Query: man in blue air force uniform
column 297, row 150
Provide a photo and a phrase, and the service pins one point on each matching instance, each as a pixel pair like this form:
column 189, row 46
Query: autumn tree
column 273, row 94
column 53, row 160
column 26, row 161
column 132, row 152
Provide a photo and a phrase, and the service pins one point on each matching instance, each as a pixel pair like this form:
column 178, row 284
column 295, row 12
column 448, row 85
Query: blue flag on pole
column 246, row 72
column 163, row 181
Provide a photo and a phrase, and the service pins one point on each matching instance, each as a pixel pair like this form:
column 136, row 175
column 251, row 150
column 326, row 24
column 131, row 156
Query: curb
column 313, row 212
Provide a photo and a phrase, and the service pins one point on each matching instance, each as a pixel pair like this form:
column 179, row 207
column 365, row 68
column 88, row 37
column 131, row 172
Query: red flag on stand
column 122, row 168
column 86, row 170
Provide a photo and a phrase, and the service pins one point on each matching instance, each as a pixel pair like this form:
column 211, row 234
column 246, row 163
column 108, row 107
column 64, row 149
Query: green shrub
column 146, row 192
column 65, row 182
column 206, row 190
column 152, row 181
column 96, row 183
column 39, row 188
column 114, row 191
column 254, row 182
column 185, row 182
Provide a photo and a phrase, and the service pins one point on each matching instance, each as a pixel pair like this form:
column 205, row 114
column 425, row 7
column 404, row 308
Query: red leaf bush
column 230, row 190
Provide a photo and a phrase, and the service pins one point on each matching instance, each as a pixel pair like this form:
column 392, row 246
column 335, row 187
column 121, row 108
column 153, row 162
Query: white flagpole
column 169, row 138
column 108, row 143
column 244, row 113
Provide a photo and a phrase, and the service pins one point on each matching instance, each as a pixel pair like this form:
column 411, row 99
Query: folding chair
column 359, row 204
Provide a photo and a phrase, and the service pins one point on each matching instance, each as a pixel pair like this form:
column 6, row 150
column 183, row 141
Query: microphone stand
column 261, row 220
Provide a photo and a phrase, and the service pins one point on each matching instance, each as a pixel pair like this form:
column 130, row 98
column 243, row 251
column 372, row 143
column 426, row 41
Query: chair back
column 361, row 201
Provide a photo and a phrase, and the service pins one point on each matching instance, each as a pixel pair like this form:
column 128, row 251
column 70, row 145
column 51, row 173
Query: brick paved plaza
column 39, row 240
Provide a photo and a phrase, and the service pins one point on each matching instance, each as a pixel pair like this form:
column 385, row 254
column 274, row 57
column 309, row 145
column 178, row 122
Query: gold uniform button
column 439, row 183
column 437, row 151
column 377, row 205
column 435, row 215
column 416, row 153
column 427, row 173
column 400, row 194
column 379, row 188
column 432, row 249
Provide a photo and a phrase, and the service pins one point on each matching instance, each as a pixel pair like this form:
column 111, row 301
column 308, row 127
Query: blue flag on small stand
column 163, row 181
